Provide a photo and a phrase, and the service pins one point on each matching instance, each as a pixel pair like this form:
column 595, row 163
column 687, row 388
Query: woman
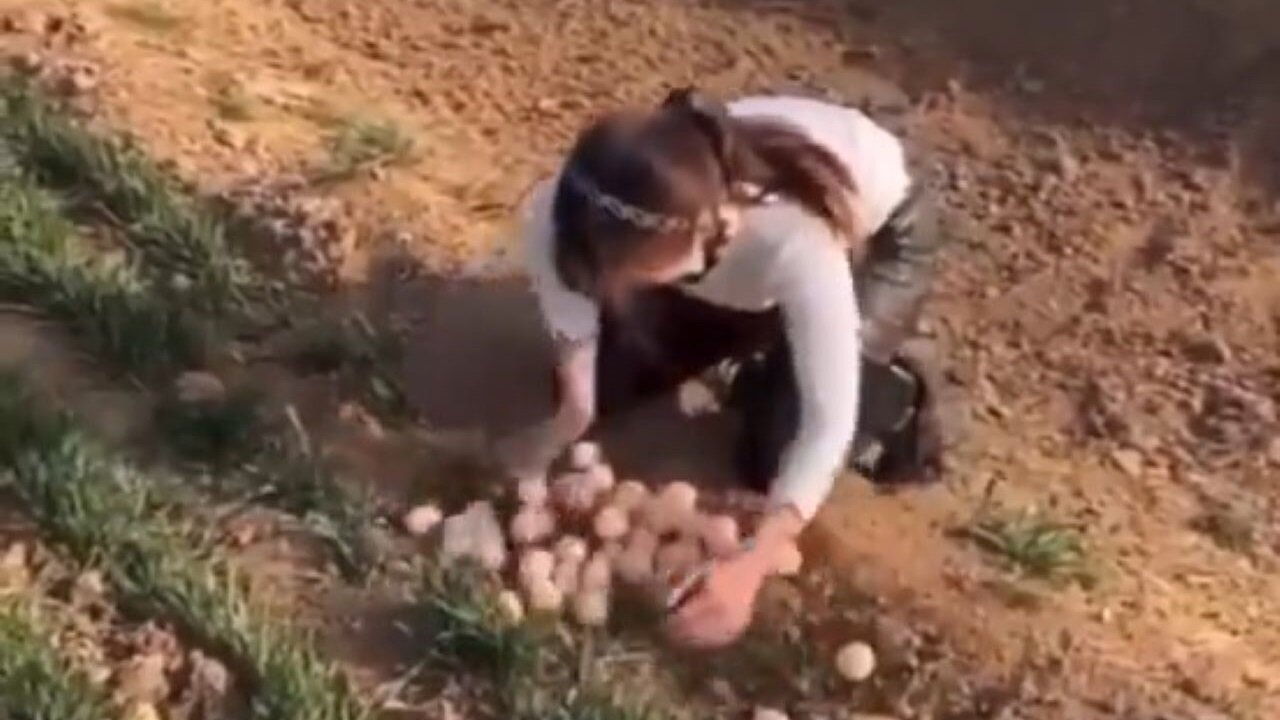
column 674, row 240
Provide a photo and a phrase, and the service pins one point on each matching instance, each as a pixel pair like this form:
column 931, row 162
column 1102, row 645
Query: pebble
column 1129, row 461
column 200, row 387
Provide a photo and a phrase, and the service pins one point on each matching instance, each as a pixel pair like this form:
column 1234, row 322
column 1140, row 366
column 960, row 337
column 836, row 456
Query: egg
column 571, row 549
column 509, row 607
column 674, row 559
column 532, row 491
column 635, row 564
column 767, row 713
column 545, row 597
column 532, row 525
column 575, row 492
column 601, row 478
column 720, row 534
column 788, row 561
column 856, row 661
column 565, row 576
column 597, row 573
column 629, row 496
column 611, row 523
column 680, row 496
column 584, row 455
column 591, row 608
column 492, row 556
column 536, row 564
column 422, row 520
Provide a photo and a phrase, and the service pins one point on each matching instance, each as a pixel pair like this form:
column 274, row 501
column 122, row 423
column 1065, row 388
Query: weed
column 34, row 681
column 148, row 14
column 107, row 305
column 101, row 510
column 468, row 632
column 1030, row 543
column 184, row 246
column 360, row 143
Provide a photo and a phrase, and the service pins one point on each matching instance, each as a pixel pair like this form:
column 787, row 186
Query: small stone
column 200, row 387
column 856, row 661
column 1129, row 461
column 227, row 137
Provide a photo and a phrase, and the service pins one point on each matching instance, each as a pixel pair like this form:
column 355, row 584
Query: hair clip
column 622, row 210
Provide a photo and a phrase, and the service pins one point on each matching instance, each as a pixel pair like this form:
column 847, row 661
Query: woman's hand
column 722, row 609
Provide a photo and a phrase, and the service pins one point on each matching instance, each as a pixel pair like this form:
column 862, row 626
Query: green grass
column 1031, row 544
column 147, row 14
column 107, row 306
column 531, row 669
column 101, row 511
column 183, row 246
column 366, row 359
column 360, row 143
column 35, row 681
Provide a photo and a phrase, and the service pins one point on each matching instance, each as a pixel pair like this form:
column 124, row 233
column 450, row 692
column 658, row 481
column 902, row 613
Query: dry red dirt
column 1110, row 303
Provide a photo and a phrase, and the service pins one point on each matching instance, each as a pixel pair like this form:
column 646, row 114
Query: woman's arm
column 820, row 311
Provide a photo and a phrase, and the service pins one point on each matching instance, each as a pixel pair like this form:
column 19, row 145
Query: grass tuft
column 360, row 143
column 1031, row 544
column 468, row 631
column 35, row 682
column 101, row 511
column 107, row 305
column 184, row 247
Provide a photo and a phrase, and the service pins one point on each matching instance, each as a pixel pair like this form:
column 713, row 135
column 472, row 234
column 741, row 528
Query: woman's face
column 702, row 252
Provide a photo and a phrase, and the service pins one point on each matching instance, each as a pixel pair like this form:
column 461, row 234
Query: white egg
column 575, row 493
column 531, row 525
column 571, row 549
column 602, row 478
column 611, row 523
column 545, row 597
column 532, row 491
column 856, row 661
column 680, row 496
column 591, row 608
column 584, row 455
column 597, row 573
column 629, row 495
column 536, row 564
column 510, row 609
column 422, row 520
column 720, row 534
column 565, row 576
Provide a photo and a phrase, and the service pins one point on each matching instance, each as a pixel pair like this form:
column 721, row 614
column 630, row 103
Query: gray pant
column 899, row 435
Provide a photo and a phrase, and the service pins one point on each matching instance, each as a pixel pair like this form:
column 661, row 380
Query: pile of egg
column 584, row 532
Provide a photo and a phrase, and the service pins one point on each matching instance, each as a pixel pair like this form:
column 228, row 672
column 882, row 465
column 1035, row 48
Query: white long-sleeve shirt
column 782, row 257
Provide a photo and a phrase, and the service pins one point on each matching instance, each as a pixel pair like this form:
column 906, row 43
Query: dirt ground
column 1110, row 303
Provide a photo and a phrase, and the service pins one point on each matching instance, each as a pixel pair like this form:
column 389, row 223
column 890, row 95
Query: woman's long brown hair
column 683, row 161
